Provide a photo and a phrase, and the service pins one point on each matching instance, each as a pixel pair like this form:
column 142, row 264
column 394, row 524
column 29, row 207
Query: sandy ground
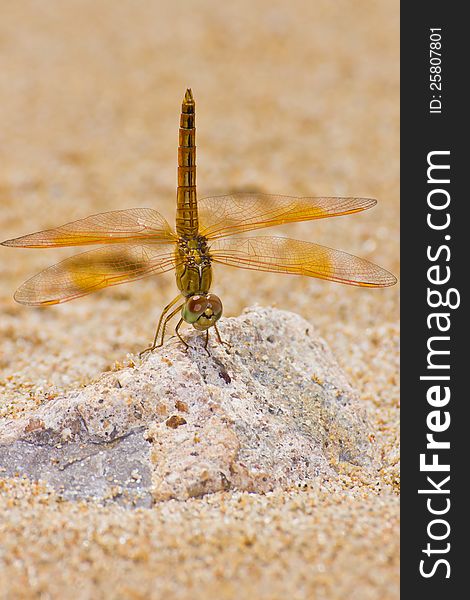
column 293, row 98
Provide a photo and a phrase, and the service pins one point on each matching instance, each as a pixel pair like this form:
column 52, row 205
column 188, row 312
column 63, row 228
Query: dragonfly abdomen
column 186, row 199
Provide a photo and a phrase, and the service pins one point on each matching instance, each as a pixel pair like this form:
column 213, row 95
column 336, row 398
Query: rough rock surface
column 270, row 409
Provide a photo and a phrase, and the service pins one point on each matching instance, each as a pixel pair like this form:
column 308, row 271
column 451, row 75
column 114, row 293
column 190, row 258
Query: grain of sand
column 292, row 98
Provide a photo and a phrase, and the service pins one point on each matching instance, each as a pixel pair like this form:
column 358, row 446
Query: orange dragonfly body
column 139, row 242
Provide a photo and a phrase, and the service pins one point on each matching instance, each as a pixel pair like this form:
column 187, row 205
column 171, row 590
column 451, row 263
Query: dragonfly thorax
column 194, row 271
column 193, row 248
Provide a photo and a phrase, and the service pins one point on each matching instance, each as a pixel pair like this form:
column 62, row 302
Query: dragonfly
column 139, row 242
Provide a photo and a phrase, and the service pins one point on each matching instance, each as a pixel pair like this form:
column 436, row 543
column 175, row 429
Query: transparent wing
column 118, row 226
column 221, row 216
column 283, row 255
column 94, row 270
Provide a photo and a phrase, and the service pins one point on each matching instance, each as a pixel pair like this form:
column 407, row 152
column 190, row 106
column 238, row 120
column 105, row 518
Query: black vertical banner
column 435, row 251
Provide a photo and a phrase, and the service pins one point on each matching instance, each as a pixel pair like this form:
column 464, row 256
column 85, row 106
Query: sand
column 298, row 98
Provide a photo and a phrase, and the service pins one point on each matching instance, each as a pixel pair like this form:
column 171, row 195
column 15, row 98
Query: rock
column 271, row 409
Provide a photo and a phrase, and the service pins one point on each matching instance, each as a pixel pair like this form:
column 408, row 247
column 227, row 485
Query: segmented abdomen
column 186, row 200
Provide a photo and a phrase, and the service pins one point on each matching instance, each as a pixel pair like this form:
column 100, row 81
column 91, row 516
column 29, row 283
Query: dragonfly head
column 202, row 311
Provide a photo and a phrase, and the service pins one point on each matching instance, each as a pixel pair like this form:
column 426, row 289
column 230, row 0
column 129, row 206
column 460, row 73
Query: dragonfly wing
column 283, row 255
column 131, row 226
column 94, row 270
column 221, row 216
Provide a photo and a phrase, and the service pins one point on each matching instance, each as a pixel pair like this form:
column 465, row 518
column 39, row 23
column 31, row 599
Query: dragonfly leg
column 170, row 316
column 219, row 339
column 178, row 333
column 206, row 342
column 160, row 320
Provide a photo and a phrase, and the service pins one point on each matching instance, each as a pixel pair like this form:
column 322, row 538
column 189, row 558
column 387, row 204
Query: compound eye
column 193, row 308
column 215, row 304
column 196, row 305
